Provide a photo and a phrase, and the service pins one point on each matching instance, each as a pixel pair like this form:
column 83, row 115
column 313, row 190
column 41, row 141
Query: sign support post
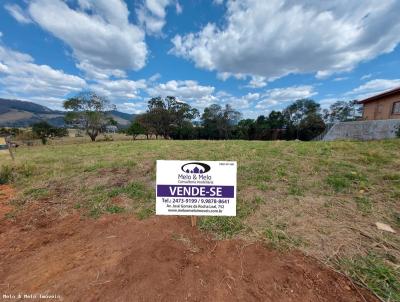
column 10, row 150
column 194, row 220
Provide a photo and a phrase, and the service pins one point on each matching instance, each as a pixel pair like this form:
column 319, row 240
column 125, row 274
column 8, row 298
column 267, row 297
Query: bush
column 6, row 174
column 398, row 131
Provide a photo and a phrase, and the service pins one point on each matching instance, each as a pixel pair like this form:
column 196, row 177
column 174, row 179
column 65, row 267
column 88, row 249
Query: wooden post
column 9, row 148
column 194, row 220
column 11, row 153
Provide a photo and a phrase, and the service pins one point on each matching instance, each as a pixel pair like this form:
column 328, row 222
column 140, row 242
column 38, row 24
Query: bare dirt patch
column 120, row 258
column 6, row 193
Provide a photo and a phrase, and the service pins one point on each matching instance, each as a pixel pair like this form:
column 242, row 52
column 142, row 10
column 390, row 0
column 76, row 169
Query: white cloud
column 242, row 102
column 275, row 38
column 155, row 77
column 182, row 89
column 257, row 82
column 223, row 76
column 279, row 96
column 218, row 2
column 366, row 76
column 340, row 79
column 197, row 95
column 138, row 107
column 373, row 87
column 152, row 13
column 118, row 89
column 99, row 33
column 326, row 102
column 20, row 77
column 178, row 8
column 17, row 12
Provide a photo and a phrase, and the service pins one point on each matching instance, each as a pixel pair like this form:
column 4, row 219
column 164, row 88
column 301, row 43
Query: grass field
column 322, row 198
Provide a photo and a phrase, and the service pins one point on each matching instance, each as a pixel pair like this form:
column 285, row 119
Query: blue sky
column 256, row 55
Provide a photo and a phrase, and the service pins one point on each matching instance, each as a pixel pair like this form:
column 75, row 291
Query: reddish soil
column 6, row 193
column 119, row 258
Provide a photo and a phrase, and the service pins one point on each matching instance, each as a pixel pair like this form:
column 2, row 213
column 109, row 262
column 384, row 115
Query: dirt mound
column 119, row 258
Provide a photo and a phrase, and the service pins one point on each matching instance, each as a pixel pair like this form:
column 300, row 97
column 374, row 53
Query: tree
column 300, row 117
column 181, row 116
column 88, row 111
column 298, row 110
column 44, row 130
column 145, row 122
column 398, row 131
column 276, row 120
column 342, row 111
column 311, row 126
column 168, row 117
column 158, row 116
column 218, row 122
column 134, row 129
column 262, row 128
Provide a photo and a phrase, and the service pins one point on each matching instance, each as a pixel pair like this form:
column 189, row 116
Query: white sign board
column 198, row 188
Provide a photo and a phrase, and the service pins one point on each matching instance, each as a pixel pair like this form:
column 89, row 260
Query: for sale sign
column 198, row 188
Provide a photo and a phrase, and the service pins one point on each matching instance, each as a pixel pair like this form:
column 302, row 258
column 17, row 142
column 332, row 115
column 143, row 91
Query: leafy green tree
column 276, row 120
column 311, row 126
column 245, row 129
column 167, row 116
column 262, row 128
column 218, row 122
column 342, row 111
column 300, row 115
column 145, row 121
column 44, row 131
column 398, row 131
column 88, row 111
column 134, row 129
column 185, row 131
column 298, row 110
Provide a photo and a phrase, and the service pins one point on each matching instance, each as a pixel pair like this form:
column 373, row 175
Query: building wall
column 381, row 109
column 363, row 130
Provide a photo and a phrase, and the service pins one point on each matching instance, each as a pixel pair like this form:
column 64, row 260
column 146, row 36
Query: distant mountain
column 122, row 118
column 15, row 113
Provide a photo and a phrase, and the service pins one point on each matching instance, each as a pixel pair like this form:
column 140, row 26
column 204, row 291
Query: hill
column 16, row 113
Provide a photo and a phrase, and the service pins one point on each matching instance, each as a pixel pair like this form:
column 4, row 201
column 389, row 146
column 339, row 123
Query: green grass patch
column 100, row 200
column 341, row 181
column 278, row 238
column 145, row 212
column 114, row 209
column 223, row 227
column 6, row 174
column 396, row 217
column 364, row 204
column 227, row 227
column 133, row 190
column 295, row 189
column 36, row 193
column 371, row 270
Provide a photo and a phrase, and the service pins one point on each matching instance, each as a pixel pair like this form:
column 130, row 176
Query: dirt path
column 119, row 258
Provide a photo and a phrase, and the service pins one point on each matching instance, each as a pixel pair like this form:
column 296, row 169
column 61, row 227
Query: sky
column 257, row 56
